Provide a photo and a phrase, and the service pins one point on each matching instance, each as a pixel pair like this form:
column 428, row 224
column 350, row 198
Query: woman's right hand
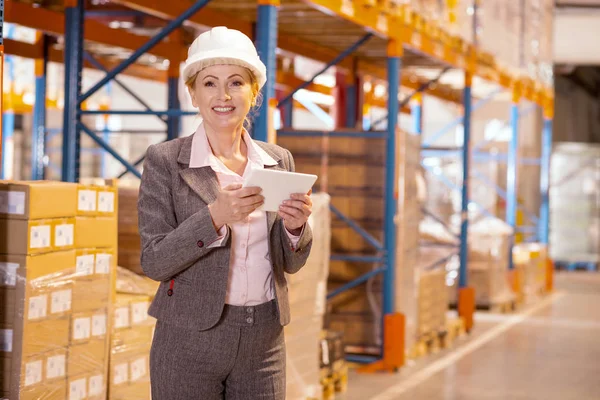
column 234, row 203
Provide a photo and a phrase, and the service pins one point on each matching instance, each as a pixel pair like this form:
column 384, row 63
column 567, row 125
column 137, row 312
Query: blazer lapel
column 203, row 181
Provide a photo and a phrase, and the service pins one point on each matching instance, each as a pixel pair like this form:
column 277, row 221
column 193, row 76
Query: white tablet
column 278, row 185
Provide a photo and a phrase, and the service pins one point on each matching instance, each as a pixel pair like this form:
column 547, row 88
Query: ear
column 192, row 96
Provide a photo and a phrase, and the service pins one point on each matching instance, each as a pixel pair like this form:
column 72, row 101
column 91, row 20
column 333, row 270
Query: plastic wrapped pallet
column 131, row 338
column 129, row 237
column 489, row 241
column 530, row 259
column 575, row 203
column 307, row 294
column 55, row 296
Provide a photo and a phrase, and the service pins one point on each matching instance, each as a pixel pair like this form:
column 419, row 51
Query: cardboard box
column 87, row 326
column 88, row 386
column 49, row 391
column 36, row 236
column 95, row 232
column 37, row 199
column 95, row 200
column 92, row 281
column 34, row 373
column 129, row 372
column 87, row 357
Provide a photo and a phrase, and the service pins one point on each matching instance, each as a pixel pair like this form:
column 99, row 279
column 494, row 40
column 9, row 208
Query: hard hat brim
column 198, row 62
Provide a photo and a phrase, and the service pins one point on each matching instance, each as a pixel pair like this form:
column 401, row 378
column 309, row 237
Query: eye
column 209, row 84
column 237, row 83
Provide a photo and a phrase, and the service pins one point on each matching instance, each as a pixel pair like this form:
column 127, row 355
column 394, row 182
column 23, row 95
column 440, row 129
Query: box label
column 8, row 274
column 33, row 372
column 103, row 263
column 12, row 202
column 99, row 325
column 85, row 265
column 96, row 385
column 63, row 235
column 122, row 317
column 86, row 200
column 61, row 301
column 6, row 340
column 56, row 366
column 138, row 369
column 139, row 312
column 106, row 202
column 40, row 237
column 82, row 328
column 78, row 390
column 38, row 306
column 121, row 374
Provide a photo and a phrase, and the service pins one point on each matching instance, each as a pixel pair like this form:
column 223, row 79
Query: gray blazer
column 176, row 228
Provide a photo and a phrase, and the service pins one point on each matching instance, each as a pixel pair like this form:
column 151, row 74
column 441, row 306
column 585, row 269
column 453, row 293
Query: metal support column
column 393, row 74
column 511, row 173
column 416, row 111
column 266, row 44
column 8, row 115
column 545, row 177
column 173, row 121
column 466, row 295
column 39, row 113
column 464, row 226
column 74, row 32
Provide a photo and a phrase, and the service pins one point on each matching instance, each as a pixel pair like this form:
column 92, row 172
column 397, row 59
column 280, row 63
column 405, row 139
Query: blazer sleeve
column 294, row 257
column 169, row 248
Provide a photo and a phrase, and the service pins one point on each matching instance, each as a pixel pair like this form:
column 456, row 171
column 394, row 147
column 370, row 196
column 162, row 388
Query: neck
column 226, row 144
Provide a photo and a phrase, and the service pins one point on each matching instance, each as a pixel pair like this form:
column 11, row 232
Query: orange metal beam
column 34, row 51
column 53, row 22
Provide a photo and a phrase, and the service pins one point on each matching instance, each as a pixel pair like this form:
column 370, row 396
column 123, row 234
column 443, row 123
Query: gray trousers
column 241, row 358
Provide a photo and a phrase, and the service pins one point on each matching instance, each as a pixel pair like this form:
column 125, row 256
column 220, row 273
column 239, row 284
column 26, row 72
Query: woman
column 223, row 299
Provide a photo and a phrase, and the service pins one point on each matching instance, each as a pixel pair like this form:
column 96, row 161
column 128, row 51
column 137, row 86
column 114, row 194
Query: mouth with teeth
column 223, row 110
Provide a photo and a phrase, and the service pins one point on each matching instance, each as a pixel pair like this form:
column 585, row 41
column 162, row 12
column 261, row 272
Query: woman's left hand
column 295, row 212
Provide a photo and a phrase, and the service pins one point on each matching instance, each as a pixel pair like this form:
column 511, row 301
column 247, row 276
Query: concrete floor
column 549, row 350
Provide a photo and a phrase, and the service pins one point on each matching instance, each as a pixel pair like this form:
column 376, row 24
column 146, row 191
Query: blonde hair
column 256, row 96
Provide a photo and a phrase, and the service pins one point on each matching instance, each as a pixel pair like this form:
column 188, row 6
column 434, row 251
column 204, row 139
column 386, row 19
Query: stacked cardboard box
column 530, row 260
column 96, row 254
column 307, row 294
column 129, row 237
column 37, row 263
column 131, row 337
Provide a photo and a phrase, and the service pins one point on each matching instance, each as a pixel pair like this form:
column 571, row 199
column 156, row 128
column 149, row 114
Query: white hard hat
column 219, row 46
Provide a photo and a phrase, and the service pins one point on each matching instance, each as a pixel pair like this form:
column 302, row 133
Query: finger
column 296, row 204
column 289, row 217
column 248, row 191
column 301, row 197
column 233, row 186
column 295, row 212
column 248, row 201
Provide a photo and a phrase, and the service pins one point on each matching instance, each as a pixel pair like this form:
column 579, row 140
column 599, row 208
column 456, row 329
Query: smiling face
column 223, row 94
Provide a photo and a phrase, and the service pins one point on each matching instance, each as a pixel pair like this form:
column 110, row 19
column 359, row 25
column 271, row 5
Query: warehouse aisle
column 549, row 351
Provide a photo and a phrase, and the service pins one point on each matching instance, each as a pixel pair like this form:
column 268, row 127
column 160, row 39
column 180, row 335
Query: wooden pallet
column 334, row 380
column 434, row 342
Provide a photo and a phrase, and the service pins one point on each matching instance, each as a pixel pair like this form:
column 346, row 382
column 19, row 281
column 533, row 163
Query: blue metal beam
column 266, row 45
column 88, row 57
column 464, row 226
column 173, row 121
column 135, row 164
column 74, row 33
column 8, row 116
column 169, row 113
column 347, row 134
column 333, row 62
column 366, row 235
column 315, row 109
column 167, row 30
column 480, row 103
column 358, row 281
column 288, row 114
column 440, row 221
column 511, row 176
column 522, row 113
column 394, row 64
column 38, row 139
column 417, row 117
column 545, row 181
column 109, row 149
column 356, row 258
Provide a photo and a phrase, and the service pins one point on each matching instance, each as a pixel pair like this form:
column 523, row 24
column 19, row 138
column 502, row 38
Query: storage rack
column 397, row 35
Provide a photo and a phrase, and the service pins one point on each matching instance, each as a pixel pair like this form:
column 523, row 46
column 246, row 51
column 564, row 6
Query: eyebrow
column 231, row 76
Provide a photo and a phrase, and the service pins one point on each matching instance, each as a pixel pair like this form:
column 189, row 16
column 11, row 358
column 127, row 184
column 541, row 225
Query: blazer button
column 200, row 243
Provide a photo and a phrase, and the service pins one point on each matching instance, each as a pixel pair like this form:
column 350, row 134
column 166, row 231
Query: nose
column 224, row 94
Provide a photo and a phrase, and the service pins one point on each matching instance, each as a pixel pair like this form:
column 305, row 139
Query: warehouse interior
column 455, row 216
